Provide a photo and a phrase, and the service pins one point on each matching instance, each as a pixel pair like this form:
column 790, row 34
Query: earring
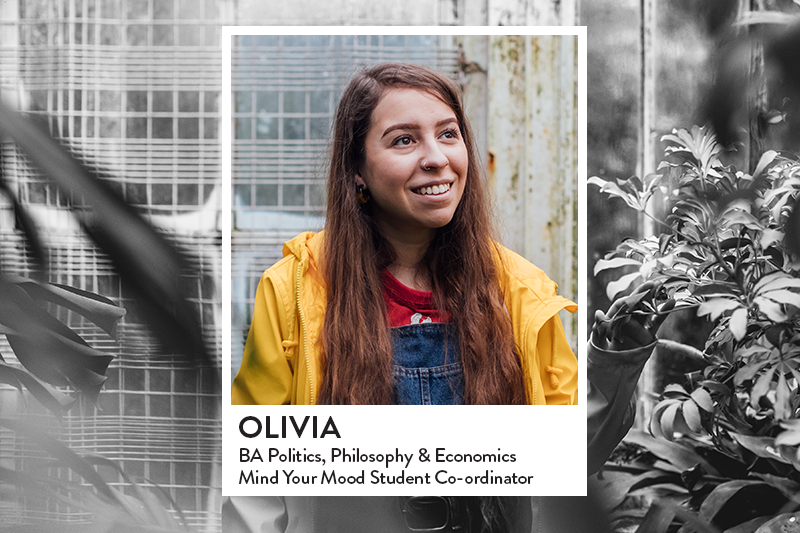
column 362, row 194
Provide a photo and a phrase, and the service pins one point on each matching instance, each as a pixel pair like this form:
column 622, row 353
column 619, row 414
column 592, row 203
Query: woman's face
column 416, row 163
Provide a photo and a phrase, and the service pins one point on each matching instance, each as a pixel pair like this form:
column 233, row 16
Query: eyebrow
column 415, row 126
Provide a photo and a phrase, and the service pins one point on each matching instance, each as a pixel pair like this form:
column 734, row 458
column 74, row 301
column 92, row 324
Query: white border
column 568, row 440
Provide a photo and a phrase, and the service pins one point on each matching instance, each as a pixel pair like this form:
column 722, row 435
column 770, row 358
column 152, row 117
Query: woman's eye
column 450, row 134
column 403, row 141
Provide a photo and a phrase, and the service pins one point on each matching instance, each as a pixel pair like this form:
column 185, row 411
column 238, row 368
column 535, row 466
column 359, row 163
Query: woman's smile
column 435, row 190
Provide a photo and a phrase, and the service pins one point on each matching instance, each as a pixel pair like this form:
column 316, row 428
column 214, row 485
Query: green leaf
column 716, row 306
column 775, row 281
column 668, row 420
column 95, row 307
column 787, row 487
column 716, row 289
column 50, row 397
column 738, row 323
column 621, row 285
column 734, row 502
column 793, row 424
column 703, row 399
column 783, row 408
column 676, row 389
column 740, row 217
column 655, row 418
column 783, row 523
column 596, row 180
column 788, row 438
column 748, row 372
column 682, row 457
column 617, row 262
column 766, row 158
column 657, row 520
column 50, row 350
column 612, row 189
column 771, row 309
column 691, row 413
column 786, row 297
column 761, row 446
column 770, row 237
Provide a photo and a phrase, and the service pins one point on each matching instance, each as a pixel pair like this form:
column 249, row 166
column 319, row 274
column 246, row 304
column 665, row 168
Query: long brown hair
column 461, row 262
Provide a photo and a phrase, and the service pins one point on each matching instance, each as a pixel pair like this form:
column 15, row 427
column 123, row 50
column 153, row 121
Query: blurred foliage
column 723, row 250
column 655, row 485
column 54, row 357
column 51, row 353
column 152, row 270
column 134, row 509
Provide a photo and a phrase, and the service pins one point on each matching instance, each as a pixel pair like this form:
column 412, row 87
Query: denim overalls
column 424, row 372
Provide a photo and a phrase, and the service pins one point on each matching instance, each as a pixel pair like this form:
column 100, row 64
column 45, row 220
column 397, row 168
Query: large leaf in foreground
column 150, row 267
column 100, row 310
column 46, row 347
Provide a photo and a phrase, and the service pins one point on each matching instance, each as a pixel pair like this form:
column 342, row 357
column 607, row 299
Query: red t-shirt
column 408, row 306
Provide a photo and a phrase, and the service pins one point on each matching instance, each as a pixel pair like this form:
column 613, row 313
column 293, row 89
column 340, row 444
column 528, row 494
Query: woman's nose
column 433, row 158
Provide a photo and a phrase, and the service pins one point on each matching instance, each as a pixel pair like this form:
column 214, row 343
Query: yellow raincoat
column 281, row 362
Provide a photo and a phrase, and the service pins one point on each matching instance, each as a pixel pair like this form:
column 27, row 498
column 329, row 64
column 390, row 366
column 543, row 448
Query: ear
column 360, row 180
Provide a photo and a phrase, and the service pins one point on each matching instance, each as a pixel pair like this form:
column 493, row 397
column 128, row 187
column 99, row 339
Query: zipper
column 304, row 333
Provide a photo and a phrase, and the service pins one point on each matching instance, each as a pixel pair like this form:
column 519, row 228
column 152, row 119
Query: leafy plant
column 152, row 269
column 58, row 366
column 133, row 510
column 721, row 250
column 51, row 353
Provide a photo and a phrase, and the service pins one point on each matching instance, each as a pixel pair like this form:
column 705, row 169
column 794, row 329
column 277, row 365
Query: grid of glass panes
column 136, row 84
column 285, row 90
column 133, row 85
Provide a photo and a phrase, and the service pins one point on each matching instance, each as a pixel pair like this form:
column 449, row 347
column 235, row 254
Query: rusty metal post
column 474, row 57
column 757, row 95
column 645, row 164
column 533, row 152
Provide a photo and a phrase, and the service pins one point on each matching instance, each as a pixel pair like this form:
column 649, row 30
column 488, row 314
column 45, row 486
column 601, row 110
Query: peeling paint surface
column 533, row 138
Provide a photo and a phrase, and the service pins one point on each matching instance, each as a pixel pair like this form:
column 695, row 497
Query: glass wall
column 133, row 87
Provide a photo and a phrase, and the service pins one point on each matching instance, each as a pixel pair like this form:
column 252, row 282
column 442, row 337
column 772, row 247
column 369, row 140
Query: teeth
column 436, row 189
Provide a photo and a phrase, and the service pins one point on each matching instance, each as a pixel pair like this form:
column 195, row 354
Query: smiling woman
column 406, row 297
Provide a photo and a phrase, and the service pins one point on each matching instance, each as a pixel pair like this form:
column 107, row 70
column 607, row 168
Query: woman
column 405, row 297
